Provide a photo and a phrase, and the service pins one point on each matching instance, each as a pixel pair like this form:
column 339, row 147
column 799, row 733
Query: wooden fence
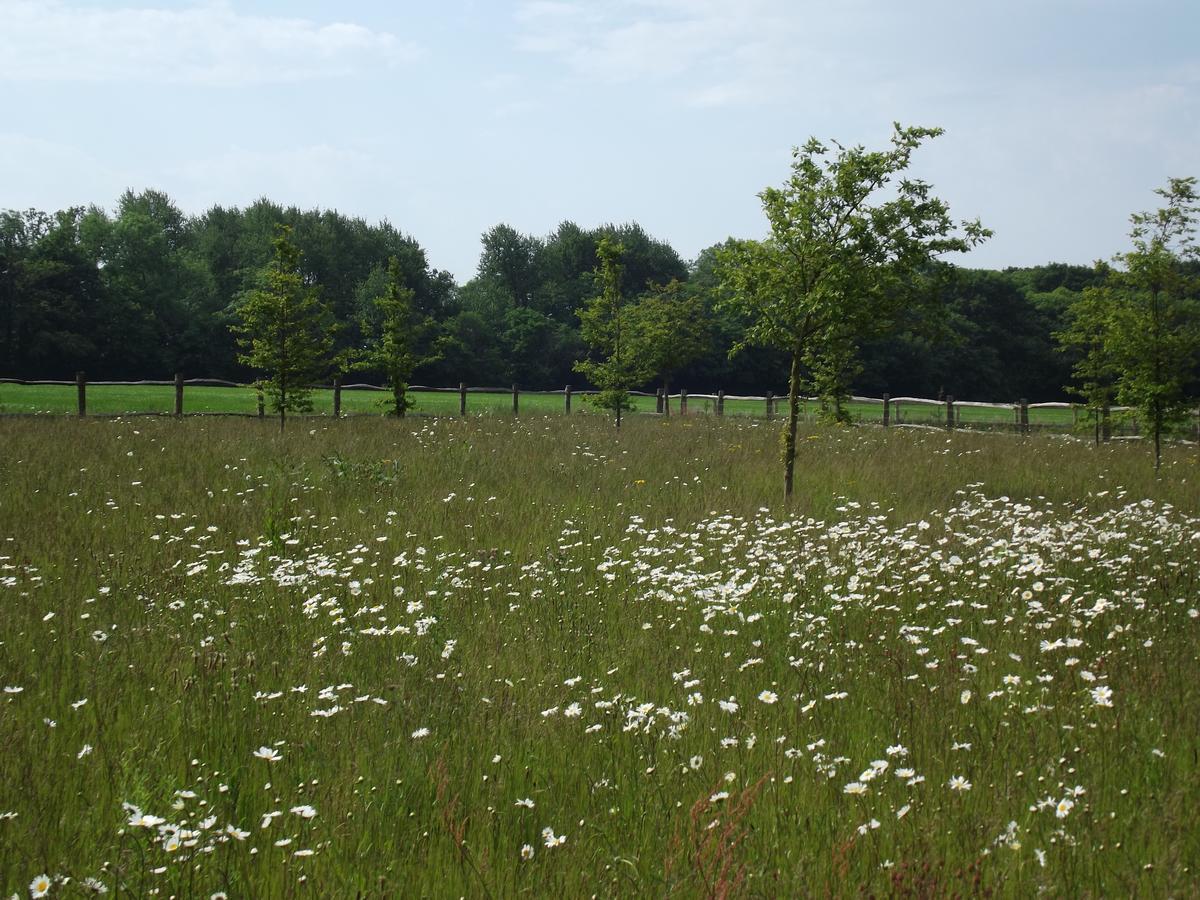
column 892, row 411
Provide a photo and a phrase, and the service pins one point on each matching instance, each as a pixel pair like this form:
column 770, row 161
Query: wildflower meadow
column 501, row 656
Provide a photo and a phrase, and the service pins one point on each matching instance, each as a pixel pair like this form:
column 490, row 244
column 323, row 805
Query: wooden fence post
column 770, row 405
column 337, row 396
column 950, row 411
column 81, row 392
column 658, row 401
column 720, row 403
column 1024, row 416
column 1105, row 424
column 567, row 400
column 262, row 404
column 178, row 394
column 683, row 401
column 515, row 395
column 666, row 402
column 462, row 398
column 887, row 410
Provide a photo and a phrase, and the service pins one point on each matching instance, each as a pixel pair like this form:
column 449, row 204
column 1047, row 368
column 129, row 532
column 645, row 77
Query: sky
column 1062, row 116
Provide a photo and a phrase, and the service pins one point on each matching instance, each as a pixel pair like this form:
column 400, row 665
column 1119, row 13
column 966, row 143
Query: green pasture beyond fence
column 210, row 397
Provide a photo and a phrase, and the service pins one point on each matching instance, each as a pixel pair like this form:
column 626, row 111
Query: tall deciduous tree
column 1142, row 327
column 153, row 270
column 285, row 330
column 513, row 260
column 396, row 335
column 840, row 260
column 52, row 315
column 1085, row 338
column 616, row 370
column 668, row 330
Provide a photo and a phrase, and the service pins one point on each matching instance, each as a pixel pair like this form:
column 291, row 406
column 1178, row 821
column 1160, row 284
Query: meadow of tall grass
column 494, row 656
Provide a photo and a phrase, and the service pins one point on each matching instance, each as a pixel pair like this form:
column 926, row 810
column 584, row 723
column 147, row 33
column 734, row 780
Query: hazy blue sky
column 1062, row 116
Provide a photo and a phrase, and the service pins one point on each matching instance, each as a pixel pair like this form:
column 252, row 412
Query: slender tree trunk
column 1157, row 409
column 283, row 367
column 1158, row 427
column 789, row 444
column 618, row 412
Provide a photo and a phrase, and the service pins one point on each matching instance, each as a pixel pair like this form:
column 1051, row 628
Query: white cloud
column 625, row 42
column 716, row 53
column 209, row 43
column 831, row 55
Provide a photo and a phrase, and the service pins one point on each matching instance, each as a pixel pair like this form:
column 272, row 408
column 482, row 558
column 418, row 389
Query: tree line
column 145, row 291
column 851, row 291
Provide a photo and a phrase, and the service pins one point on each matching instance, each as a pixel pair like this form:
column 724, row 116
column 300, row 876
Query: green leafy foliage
column 840, row 261
column 668, row 330
column 147, row 291
column 1085, row 337
column 397, row 337
column 1139, row 334
column 285, row 331
column 614, row 369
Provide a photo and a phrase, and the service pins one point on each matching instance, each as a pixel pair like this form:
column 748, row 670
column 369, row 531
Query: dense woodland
column 147, row 291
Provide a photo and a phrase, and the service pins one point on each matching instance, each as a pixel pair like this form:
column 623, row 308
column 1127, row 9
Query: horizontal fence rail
column 921, row 412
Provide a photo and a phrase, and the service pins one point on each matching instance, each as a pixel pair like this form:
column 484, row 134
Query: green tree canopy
column 52, row 300
column 668, row 330
column 513, row 261
column 613, row 369
column 1139, row 333
column 285, row 330
column 397, row 337
column 842, row 257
